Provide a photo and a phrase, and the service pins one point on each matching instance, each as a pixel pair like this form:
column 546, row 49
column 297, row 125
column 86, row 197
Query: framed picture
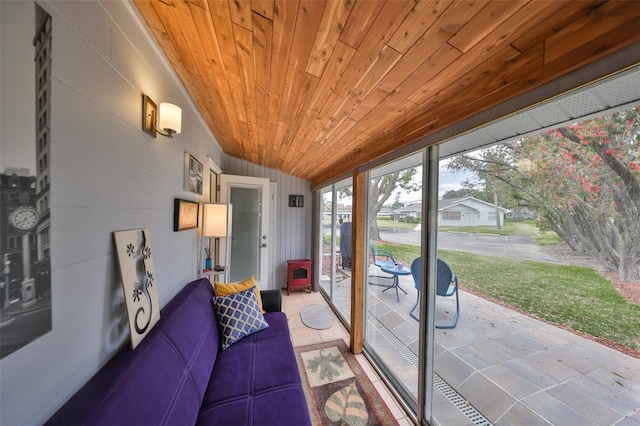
column 296, row 201
column 193, row 173
column 185, row 215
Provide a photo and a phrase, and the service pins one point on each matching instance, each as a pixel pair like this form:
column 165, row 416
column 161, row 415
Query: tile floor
column 302, row 335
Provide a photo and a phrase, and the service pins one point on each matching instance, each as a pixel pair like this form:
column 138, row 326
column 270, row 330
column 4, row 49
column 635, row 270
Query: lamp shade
column 170, row 118
column 215, row 220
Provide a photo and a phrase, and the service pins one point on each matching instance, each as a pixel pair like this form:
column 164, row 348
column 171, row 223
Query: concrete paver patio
column 513, row 369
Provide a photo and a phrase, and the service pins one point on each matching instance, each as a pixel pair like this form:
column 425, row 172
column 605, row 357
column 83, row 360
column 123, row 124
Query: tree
column 380, row 190
column 584, row 181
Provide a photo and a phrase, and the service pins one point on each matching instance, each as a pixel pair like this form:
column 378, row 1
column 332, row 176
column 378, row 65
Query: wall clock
column 24, row 218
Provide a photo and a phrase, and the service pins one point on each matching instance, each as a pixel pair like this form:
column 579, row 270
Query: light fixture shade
column 170, row 118
column 215, row 220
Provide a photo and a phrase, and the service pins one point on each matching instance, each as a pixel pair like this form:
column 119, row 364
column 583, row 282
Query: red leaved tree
column 584, row 181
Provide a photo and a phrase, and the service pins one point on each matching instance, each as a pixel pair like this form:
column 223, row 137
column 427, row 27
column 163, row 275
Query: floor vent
column 456, row 399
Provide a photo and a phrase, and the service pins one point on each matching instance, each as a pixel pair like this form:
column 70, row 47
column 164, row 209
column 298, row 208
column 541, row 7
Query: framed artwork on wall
column 296, row 201
column 185, row 215
column 193, row 174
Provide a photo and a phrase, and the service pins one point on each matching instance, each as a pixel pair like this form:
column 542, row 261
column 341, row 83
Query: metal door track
column 451, row 394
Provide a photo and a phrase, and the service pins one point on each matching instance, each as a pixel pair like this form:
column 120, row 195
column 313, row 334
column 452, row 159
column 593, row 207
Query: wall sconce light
column 167, row 121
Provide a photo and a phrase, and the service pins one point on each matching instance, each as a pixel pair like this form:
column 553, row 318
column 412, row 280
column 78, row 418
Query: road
column 492, row 245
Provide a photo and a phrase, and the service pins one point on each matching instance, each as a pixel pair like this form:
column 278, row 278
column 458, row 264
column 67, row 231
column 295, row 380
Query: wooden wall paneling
column 389, row 18
column 284, row 24
column 217, row 100
column 410, row 68
column 358, row 250
column 547, row 17
column 417, row 23
column 244, row 43
column 307, row 88
column 464, row 66
column 307, row 23
column 263, row 8
column 481, row 24
column 240, row 12
column 456, row 16
column 589, row 31
column 221, row 18
column 311, row 147
column 434, row 65
column 262, row 45
column 472, row 88
column 151, row 18
column 361, row 19
column 338, row 62
column 281, row 136
column 318, row 100
column 335, row 15
column 384, row 62
column 173, row 32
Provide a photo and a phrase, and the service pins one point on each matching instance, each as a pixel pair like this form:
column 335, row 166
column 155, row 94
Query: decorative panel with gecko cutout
column 138, row 281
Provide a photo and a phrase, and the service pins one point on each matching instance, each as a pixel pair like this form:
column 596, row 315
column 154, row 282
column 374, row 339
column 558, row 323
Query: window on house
column 448, row 215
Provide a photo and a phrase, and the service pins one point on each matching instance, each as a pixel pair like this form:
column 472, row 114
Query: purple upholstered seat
column 179, row 376
column 260, row 384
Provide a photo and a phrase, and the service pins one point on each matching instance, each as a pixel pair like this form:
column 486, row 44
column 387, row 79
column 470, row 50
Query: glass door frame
column 330, row 292
column 422, row 406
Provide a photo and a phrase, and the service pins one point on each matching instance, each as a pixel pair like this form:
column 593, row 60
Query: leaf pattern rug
column 337, row 389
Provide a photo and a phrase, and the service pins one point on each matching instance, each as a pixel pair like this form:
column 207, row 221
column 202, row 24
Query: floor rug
column 337, row 389
column 319, row 317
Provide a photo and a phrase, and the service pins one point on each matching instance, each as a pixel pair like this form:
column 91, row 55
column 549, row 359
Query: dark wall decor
column 185, row 215
column 296, row 201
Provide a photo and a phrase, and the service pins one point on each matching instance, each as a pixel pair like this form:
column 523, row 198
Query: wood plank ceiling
column 315, row 88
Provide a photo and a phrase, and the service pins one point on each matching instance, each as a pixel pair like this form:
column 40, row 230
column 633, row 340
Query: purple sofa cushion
column 256, row 381
column 163, row 381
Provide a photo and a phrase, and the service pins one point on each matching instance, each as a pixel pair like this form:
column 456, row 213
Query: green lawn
column 572, row 296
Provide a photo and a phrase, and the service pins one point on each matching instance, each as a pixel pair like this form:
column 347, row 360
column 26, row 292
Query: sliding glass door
column 335, row 250
column 392, row 292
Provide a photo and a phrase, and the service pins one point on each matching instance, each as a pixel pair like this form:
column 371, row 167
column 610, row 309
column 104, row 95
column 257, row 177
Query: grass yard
column 571, row 296
column 524, row 228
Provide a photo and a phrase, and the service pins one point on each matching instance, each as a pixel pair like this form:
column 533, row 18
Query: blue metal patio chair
column 381, row 258
column 447, row 286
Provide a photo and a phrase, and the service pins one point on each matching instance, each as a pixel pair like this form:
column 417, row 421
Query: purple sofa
column 178, row 375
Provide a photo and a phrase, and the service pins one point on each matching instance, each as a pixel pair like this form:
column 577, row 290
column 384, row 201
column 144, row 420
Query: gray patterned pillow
column 239, row 316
